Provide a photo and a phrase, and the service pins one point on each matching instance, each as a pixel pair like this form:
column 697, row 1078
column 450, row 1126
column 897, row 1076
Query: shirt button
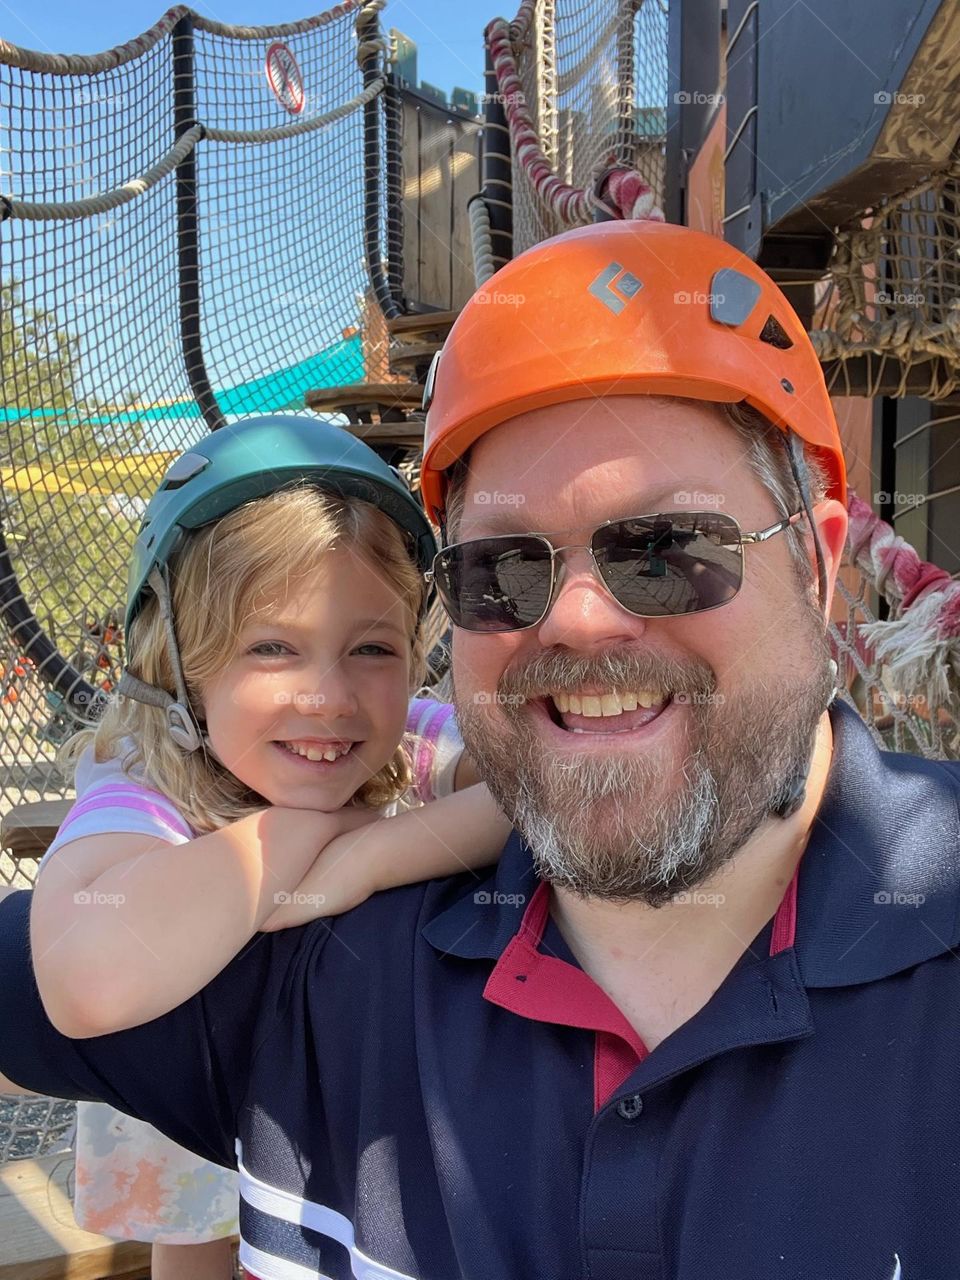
column 630, row 1107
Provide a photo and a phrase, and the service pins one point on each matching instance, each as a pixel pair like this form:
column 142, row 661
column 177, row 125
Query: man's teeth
column 607, row 704
column 318, row 753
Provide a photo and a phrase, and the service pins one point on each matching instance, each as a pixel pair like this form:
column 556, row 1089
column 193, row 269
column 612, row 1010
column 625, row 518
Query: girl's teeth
column 317, row 753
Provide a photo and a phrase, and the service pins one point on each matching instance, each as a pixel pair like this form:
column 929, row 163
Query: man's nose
column 583, row 614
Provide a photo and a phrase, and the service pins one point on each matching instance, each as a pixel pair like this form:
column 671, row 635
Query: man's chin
column 620, row 848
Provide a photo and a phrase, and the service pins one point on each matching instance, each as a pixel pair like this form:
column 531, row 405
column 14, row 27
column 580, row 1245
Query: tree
column 69, row 551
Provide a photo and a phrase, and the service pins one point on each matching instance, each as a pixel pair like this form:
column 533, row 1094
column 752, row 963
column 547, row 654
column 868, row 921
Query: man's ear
column 832, row 520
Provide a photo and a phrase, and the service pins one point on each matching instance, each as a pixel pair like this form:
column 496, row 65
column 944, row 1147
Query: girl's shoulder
column 113, row 800
column 436, row 747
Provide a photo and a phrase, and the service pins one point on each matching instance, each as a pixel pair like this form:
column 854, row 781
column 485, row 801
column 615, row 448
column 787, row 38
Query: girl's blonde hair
column 223, row 575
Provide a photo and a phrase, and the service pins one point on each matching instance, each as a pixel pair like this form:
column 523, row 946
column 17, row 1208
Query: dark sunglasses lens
column 659, row 566
column 495, row 584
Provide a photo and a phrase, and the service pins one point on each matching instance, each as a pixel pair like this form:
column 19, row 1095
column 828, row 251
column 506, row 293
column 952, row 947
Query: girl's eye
column 273, row 645
column 379, row 647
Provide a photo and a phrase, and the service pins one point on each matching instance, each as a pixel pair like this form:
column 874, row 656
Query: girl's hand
column 458, row 833
column 335, row 883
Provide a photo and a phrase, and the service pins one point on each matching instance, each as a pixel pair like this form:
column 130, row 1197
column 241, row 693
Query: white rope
column 279, row 132
column 300, row 27
column 483, row 263
column 80, row 64
column 26, row 211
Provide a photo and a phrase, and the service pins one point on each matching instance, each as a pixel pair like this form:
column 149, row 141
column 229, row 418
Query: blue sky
column 448, row 33
column 122, row 354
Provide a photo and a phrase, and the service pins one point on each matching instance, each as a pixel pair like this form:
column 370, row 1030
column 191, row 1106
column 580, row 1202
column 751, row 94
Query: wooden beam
column 39, row 1239
column 28, row 829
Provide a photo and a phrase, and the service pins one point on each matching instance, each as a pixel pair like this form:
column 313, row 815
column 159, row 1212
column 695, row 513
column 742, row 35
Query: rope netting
column 902, row 673
column 190, row 231
column 190, row 227
column 893, row 291
column 584, row 89
column 184, row 244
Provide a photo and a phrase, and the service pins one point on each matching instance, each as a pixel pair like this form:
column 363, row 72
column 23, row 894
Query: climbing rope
column 617, row 192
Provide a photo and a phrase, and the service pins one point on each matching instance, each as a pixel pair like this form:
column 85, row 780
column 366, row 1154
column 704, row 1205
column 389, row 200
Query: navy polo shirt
column 429, row 1086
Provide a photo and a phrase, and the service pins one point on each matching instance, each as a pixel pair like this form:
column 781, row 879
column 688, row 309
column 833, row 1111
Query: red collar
column 545, row 988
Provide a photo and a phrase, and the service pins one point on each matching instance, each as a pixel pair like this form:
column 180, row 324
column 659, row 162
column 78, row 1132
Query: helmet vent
column 183, row 469
column 774, row 333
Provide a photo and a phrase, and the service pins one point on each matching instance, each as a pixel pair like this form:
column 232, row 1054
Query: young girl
column 274, row 639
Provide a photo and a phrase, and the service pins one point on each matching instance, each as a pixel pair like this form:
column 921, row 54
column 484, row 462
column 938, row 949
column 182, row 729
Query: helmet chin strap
column 182, row 724
column 796, row 794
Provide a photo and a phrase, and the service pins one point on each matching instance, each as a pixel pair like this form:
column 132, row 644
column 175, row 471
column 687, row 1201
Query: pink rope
column 896, row 569
column 620, row 192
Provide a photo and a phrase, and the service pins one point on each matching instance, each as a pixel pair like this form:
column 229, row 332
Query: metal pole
column 393, row 142
column 497, row 171
column 368, row 29
column 188, row 253
column 32, row 641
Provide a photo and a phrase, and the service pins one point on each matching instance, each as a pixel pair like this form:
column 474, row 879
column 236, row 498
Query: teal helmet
column 257, row 457
column 233, row 465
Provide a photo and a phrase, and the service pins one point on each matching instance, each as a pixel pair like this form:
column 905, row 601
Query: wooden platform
column 27, row 830
column 385, row 415
column 368, row 402
column 413, row 360
column 425, row 326
column 39, row 1239
column 415, row 339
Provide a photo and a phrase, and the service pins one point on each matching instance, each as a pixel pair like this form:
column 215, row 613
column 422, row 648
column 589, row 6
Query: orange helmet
column 620, row 308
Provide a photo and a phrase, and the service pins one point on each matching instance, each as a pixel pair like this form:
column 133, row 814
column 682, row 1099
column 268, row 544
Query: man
column 689, row 1027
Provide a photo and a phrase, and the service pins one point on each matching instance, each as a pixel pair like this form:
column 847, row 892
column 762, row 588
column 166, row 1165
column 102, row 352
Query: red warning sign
column 284, row 78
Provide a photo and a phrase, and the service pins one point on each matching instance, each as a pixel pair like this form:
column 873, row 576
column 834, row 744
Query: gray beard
column 605, row 826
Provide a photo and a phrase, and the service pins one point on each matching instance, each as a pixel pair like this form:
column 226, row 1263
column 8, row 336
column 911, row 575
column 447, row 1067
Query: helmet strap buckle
column 182, row 727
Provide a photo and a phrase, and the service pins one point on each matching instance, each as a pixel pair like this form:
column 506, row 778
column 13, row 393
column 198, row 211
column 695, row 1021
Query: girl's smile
column 314, row 700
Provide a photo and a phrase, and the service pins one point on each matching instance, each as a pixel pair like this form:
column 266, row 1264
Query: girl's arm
column 457, row 833
column 124, row 928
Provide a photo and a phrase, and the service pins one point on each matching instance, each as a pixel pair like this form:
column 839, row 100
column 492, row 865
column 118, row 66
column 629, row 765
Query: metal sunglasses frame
column 756, row 536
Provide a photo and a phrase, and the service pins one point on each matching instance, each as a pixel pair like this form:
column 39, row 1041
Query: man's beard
column 604, row 825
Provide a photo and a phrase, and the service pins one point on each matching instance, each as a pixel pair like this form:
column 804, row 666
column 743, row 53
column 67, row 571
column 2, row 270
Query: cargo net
column 132, row 322
column 891, row 300
column 902, row 673
column 584, row 88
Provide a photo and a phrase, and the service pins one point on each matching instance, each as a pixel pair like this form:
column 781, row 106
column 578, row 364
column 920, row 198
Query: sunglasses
column 655, row 566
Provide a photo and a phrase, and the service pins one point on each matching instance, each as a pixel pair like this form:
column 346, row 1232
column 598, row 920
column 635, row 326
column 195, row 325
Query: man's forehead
column 486, row 512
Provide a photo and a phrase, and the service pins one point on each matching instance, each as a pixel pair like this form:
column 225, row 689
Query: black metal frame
column 496, row 172
column 188, row 248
